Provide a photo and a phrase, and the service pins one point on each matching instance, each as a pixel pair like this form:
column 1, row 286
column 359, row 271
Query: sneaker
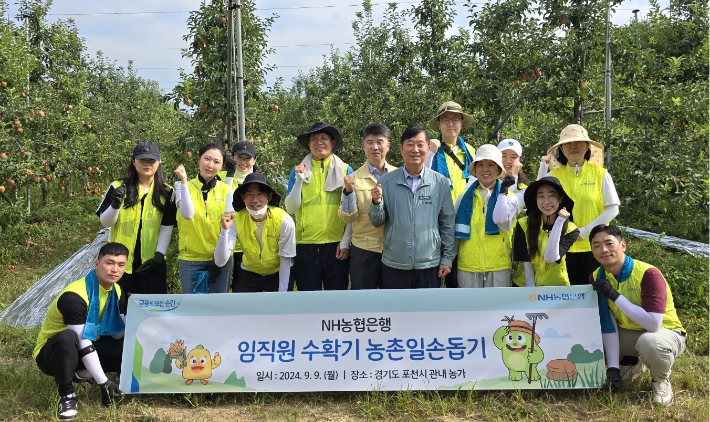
column 662, row 392
column 631, row 372
column 68, row 407
column 613, row 379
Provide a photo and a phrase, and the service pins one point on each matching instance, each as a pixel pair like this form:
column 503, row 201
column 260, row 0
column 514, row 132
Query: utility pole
column 240, row 74
column 636, row 15
column 607, row 84
column 230, row 60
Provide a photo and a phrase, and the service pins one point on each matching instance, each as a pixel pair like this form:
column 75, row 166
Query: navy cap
column 146, row 150
column 244, row 147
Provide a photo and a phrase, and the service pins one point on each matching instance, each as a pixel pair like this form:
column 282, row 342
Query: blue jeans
column 219, row 285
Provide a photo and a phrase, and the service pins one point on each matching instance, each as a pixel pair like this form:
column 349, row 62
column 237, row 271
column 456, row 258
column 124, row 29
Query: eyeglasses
column 453, row 121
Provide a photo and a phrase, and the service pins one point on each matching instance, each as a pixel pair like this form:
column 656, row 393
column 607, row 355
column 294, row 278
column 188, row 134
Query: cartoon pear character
column 199, row 366
column 515, row 341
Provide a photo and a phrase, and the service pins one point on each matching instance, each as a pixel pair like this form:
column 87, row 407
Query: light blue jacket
column 419, row 226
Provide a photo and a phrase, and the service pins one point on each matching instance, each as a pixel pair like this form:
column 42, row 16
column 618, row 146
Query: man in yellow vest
column 366, row 248
column 266, row 233
column 313, row 197
column 83, row 329
column 637, row 314
column 453, row 157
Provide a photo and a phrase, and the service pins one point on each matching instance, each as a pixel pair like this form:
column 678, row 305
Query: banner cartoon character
column 196, row 365
column 519, row 354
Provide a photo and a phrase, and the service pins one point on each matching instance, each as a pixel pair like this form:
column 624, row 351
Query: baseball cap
column 146, row 150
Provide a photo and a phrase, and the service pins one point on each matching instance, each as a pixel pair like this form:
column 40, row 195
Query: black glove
column 603, row 287
column 110, row 394
column 506, row 183
column 613, row 378
column 231, row 166
column 214, row 271
column 150, row 265
column 118, row 194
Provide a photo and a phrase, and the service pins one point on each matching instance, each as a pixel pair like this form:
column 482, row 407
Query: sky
column 150, row 32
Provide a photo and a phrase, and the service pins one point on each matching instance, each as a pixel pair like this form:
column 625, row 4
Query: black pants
column 251, row 282
column 579, row 266
column 365, row 269
column 315, row 267
column 235, row 273
column 450, row 279
column 59, row 357
column 427, row 278
column 155, row 282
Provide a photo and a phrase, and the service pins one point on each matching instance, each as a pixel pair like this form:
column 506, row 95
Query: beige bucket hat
column 576, row 133
column 487, row 152
column 454, row 108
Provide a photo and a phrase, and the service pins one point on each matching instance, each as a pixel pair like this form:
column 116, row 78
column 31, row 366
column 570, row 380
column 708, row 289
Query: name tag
column 424, row 198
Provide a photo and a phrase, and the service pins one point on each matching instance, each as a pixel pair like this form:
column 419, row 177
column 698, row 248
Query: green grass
column 61, row 228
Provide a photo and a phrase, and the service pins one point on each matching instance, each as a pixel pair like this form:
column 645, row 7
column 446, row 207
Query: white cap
column 511, row 144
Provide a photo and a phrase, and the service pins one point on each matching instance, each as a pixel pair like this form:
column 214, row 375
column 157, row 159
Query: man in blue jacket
column 414, row 203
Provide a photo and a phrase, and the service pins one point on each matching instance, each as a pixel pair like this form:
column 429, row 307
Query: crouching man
column 643, row 324
column 83, row 329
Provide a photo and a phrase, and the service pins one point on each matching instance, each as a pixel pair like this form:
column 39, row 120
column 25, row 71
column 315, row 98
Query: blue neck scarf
column 111, row 323
column 624, row 273
column 439, row 162
column 463, row 214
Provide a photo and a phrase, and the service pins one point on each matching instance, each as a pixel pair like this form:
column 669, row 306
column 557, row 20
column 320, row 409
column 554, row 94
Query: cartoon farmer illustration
column 520, row 354
column 197, row 365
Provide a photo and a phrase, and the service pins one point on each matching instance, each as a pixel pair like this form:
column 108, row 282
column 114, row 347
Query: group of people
column 469, row 216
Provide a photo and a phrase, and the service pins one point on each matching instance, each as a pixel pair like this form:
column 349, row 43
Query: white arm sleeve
column 552, row 250
column 184, row 203
column 347, row 235
column 229, row 207
column 229, row 181
column 225, row 244
column 529, row 274
column 520, row 194
column 284, row 273
column 650, row 321
column 164, row 239
column 287, row 238
column 91, row 361
column 605, row 217
column 543, row 170
column 109, row 216
column 505, row 210
column 293, row 200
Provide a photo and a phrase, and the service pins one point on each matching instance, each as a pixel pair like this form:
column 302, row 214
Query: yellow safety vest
column 198, row 236
column 264, row 260
column 484, row 252
column 552, row 274
column 317, row 220
column 455, row 172
column 631, row 290
column 54, row 321
column 585, row 189
column 125, row 231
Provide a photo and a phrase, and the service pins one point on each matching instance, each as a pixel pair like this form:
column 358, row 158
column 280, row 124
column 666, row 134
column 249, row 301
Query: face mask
column 258, row 214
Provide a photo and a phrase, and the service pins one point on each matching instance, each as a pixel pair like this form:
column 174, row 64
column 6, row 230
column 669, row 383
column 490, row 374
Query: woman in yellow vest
column 485, row 213
column 201, row 202
column 141, row 214
column 267, row 235
column 539, row 243
column 578, row 162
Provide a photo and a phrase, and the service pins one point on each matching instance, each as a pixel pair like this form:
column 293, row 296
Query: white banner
column 500, row 338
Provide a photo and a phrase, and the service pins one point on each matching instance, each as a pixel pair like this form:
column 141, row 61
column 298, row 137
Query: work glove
column 214, row 271
column 507, row 182
column 231, row 166
column 118, row 194
column 110, row 394
column 613, row 378
column 150, row 265
column 603, row 287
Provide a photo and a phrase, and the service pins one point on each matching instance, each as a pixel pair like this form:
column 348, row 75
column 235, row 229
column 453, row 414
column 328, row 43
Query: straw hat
column 524, row 327
column 454, row 108
column 487, row 152
column 576, row 133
